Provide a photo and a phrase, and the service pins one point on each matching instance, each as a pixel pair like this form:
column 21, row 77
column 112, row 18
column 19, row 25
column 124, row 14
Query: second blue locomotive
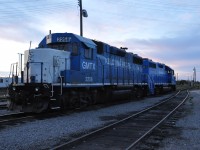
column 69, row 71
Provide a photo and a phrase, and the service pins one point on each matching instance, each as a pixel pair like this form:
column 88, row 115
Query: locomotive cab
column 60, row 60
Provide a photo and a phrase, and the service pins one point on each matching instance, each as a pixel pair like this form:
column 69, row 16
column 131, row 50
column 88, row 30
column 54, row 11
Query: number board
column 63, row 39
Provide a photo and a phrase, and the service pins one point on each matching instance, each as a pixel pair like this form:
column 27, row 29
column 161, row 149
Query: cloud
column 182, row 52
column 22, row 32
column 30, row 21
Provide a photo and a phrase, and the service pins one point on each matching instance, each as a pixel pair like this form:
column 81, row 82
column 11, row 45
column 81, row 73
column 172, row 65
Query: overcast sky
column 165, row 31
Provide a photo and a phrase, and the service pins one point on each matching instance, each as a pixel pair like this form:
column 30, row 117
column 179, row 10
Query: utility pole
column 177, row 77
column 194, row 74
column 81, row 17
column 83, row 13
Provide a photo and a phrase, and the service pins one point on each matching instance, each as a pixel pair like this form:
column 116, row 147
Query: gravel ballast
column 44, row 134
column 189, row 127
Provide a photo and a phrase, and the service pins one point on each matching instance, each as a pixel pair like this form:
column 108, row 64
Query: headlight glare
column 36, row 89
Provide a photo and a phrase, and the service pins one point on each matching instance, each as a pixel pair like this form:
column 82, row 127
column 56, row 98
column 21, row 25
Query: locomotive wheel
column 94, row 97
column 133, row 94
column 88, row 99
column 161, row 90
column 74, row 101
column 63, row 104
column 139, row 93
column 144, row 92
column 157, row 91
column 80, row 100
column 85, row 100
column 40, row 105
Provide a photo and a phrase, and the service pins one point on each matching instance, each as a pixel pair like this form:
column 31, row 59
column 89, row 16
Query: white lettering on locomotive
column 88, row 65
column 117, row 63
column 88, row 79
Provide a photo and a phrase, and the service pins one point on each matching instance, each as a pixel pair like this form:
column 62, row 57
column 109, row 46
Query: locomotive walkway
column 128, row 132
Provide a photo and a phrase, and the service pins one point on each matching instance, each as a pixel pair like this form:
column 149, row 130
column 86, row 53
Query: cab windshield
column 70, row 47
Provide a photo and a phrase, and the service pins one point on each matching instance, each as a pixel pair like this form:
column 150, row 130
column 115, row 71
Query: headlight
column 36, row 89
column 14, row 88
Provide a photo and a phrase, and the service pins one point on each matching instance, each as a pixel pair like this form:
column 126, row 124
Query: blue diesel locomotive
column 70, row 71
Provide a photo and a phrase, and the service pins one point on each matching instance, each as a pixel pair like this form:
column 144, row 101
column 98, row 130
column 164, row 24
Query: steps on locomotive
column 54, row 104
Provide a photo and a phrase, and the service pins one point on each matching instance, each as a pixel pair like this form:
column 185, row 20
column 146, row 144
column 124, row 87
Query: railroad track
column 8, row 118
column 3, row 99
column 128, row 132
column 2, row 95
column 3, row 106
column 3, row 102
column 21, row 116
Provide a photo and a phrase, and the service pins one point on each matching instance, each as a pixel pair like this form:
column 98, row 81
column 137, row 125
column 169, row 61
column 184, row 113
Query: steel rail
column 22, row 115
column 112, row 124
column 161, row 121
column 14, row 117
column 3, row 106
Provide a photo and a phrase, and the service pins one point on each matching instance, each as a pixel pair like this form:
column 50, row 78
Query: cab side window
column 75, row 49
column 88, row 53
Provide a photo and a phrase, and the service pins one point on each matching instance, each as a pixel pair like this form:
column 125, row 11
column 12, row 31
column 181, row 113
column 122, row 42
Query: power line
column 26, row 10
column 141, row 10
column 151, row 6
column 156, row 4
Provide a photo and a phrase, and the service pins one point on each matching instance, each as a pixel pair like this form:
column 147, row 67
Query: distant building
column 4, row 82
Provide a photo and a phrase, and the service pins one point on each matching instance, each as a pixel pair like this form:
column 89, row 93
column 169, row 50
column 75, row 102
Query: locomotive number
column 88, row 79
column 63, row 39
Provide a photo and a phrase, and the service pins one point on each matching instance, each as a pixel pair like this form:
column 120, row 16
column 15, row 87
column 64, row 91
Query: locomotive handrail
column 52, row 90
column 61, row 85
column 13, row 72
column 151, row 82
